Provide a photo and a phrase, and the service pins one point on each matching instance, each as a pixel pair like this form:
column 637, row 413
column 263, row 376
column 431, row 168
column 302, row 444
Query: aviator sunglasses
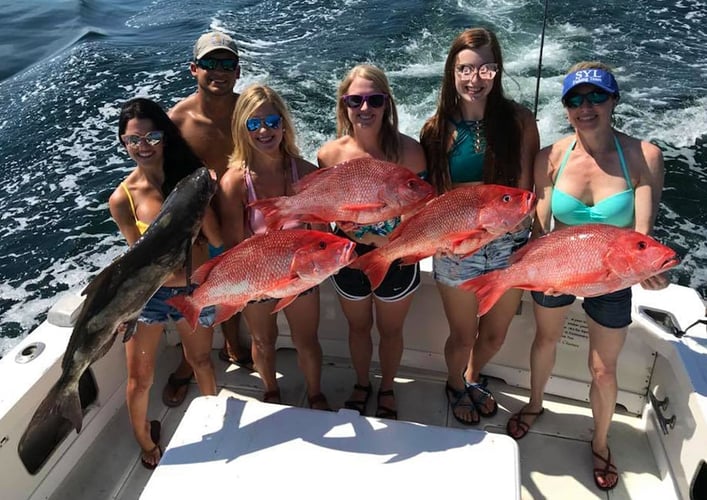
column 485, row 71
column 152, row 138
column 270, row 121
column 210, row 63
column 356, row 101
column 595, row 97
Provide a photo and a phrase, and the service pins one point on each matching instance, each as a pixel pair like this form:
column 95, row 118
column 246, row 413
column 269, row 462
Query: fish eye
column 506, row 198
column 322, row 245
column 642, row 245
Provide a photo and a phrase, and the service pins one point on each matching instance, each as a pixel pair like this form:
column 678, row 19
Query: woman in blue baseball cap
column 595, row 175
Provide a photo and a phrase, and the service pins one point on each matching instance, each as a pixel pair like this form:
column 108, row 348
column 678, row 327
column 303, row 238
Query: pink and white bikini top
column 255, row 219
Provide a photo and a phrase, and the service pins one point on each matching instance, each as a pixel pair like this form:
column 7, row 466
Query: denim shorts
column 158, row 311
column 612, row 310
column 453, row 270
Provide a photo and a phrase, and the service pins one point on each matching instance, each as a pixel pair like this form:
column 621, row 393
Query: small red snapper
column 586, row 261
column 361, row 191
column 459, row 221
column 280, row 264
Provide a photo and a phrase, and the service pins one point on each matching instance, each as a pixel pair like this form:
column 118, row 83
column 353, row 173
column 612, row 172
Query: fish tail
column 223, row 312
column 489, row 288
column 374, row 265
column 273, row 212
column 63, row 401
column 186, row 305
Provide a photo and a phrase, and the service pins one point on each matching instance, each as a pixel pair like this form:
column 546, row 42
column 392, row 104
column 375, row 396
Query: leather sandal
column 609, row 469
column 521, row 426
column 359, row 405
column 174, row 387
column 456, row 400
column 272, row 396
column 384, row 411
column 318, row 399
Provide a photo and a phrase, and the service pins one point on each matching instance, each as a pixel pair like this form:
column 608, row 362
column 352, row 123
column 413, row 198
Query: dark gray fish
column 116, row 296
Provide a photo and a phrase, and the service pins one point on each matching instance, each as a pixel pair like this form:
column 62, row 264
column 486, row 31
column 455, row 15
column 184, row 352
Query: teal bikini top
column 616, row 210
column 466, row 157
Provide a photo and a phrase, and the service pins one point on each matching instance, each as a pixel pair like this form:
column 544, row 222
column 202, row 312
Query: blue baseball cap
column 593, row 76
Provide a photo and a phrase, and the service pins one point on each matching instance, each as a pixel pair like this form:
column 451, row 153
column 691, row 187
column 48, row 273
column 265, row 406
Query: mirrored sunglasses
column 270, row 121
column 595, row 97
column 210, row 63
column 356, row 100
column 485, row 71
column 151, row 138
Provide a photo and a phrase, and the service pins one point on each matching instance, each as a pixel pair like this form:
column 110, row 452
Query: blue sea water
column 68, row 65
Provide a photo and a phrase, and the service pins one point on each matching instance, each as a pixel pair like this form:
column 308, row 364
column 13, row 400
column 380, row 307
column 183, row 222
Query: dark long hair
column 179, row 159
column 501, row 121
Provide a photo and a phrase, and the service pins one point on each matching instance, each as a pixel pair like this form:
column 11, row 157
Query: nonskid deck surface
column 555, row 456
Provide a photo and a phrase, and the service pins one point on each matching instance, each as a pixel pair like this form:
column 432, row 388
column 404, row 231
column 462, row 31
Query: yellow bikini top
column 141, row 226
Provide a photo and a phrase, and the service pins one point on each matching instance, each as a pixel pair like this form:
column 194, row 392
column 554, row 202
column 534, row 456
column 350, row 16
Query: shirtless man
column 204, row 119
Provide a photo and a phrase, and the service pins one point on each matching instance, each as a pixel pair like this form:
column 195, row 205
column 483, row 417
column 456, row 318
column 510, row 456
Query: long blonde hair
column 389, row 140
column 251, row 99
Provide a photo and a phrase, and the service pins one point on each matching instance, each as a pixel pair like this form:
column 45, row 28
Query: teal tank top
column 616, row 210
column 466, row 157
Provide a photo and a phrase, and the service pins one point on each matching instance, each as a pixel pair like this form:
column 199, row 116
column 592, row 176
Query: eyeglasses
column 210, row 63
column 152, row 138
column 356, row 100
column 270, row 121
column 595, row 97
column 485, row 71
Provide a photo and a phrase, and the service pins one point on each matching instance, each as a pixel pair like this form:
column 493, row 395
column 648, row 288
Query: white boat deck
column 555, row 457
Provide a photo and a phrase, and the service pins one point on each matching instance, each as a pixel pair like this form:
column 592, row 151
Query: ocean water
column 68, row 65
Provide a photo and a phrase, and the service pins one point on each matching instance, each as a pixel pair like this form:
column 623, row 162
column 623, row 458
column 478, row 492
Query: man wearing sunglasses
column 204, row 119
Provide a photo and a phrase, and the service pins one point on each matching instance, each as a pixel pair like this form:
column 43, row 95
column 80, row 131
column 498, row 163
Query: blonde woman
column 264, row 164
column 367, row 126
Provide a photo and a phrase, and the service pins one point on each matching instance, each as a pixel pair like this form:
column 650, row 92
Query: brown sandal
column 359, row 405
column 602, row 472
column 317, row 399
column 520, row 425
column 384, row 411
column 272, row 396
column 171, row 395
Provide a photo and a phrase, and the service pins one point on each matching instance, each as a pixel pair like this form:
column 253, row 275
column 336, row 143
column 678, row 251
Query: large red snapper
column 280, row 264
column 361, row 191
column 586, row 260
column 460, row 221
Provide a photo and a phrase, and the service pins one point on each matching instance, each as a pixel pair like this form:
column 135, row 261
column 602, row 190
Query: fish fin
column 309, row 179
column 413, row 259
column 225, row 311
column 362, row 206
column 284, row 302
column 346, row 227
column 273, row 211
column 457, row 239
column 202, row 272
column 488, row 289
column 374, row 265
column 187, row 306
column 130, row 327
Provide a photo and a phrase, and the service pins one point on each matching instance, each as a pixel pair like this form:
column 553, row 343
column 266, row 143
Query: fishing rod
column 540, row 62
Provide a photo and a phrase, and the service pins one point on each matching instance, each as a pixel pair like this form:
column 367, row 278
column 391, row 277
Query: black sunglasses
column 210, row 63
column 356, row 101
column 595, row 97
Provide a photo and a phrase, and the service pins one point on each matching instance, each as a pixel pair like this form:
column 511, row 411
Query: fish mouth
column 670, row 262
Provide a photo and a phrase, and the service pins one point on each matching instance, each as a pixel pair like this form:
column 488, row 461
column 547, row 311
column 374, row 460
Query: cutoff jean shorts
column 158, row 311
column 453, row 270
